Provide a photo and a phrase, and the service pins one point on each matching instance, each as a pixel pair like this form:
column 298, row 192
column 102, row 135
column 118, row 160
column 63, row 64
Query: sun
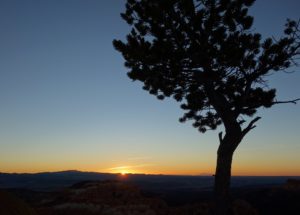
column 121, row 170
column 124, row 172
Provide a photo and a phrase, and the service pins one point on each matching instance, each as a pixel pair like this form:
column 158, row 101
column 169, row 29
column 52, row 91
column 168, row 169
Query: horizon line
column 148, row 174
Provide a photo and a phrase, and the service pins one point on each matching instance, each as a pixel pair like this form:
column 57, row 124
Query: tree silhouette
column 205, row 55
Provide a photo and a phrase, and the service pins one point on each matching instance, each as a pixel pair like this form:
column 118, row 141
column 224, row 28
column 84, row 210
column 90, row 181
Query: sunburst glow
column 124, row 172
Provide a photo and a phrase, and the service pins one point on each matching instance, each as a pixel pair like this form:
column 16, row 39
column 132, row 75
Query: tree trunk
column 222, row 179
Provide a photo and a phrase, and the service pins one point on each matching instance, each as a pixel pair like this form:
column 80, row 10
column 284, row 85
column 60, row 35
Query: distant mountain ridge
column 51, row 181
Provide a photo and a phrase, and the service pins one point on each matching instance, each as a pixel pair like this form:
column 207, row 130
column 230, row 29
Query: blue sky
column 66, row 102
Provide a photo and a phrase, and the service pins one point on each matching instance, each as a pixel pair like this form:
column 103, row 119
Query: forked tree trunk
column 222, row 177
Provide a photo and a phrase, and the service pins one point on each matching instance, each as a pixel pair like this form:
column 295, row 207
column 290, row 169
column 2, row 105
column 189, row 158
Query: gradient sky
column 66, row 102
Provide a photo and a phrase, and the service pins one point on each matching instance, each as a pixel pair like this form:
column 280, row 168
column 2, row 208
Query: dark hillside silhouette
column 205, row 55
column 137, row 197
column 11, row 205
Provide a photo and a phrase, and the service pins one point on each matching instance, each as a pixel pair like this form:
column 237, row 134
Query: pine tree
column 205, row 55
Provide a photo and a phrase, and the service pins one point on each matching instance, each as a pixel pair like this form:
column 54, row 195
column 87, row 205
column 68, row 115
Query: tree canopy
column 205, row 54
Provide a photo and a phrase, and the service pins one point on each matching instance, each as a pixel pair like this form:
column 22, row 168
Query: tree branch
column 250, row 126
column 284, row 102
column 220, row 137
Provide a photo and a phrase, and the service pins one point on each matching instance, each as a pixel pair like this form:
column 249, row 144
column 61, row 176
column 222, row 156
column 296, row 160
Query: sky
column 67, row 103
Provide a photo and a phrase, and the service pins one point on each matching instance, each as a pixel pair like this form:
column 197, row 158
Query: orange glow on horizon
column 240, row 172
column 238, row 169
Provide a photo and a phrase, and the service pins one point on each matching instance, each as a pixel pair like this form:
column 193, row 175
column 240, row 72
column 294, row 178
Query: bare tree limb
column 250, row 126
column 220, row 137
column 284, row 102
